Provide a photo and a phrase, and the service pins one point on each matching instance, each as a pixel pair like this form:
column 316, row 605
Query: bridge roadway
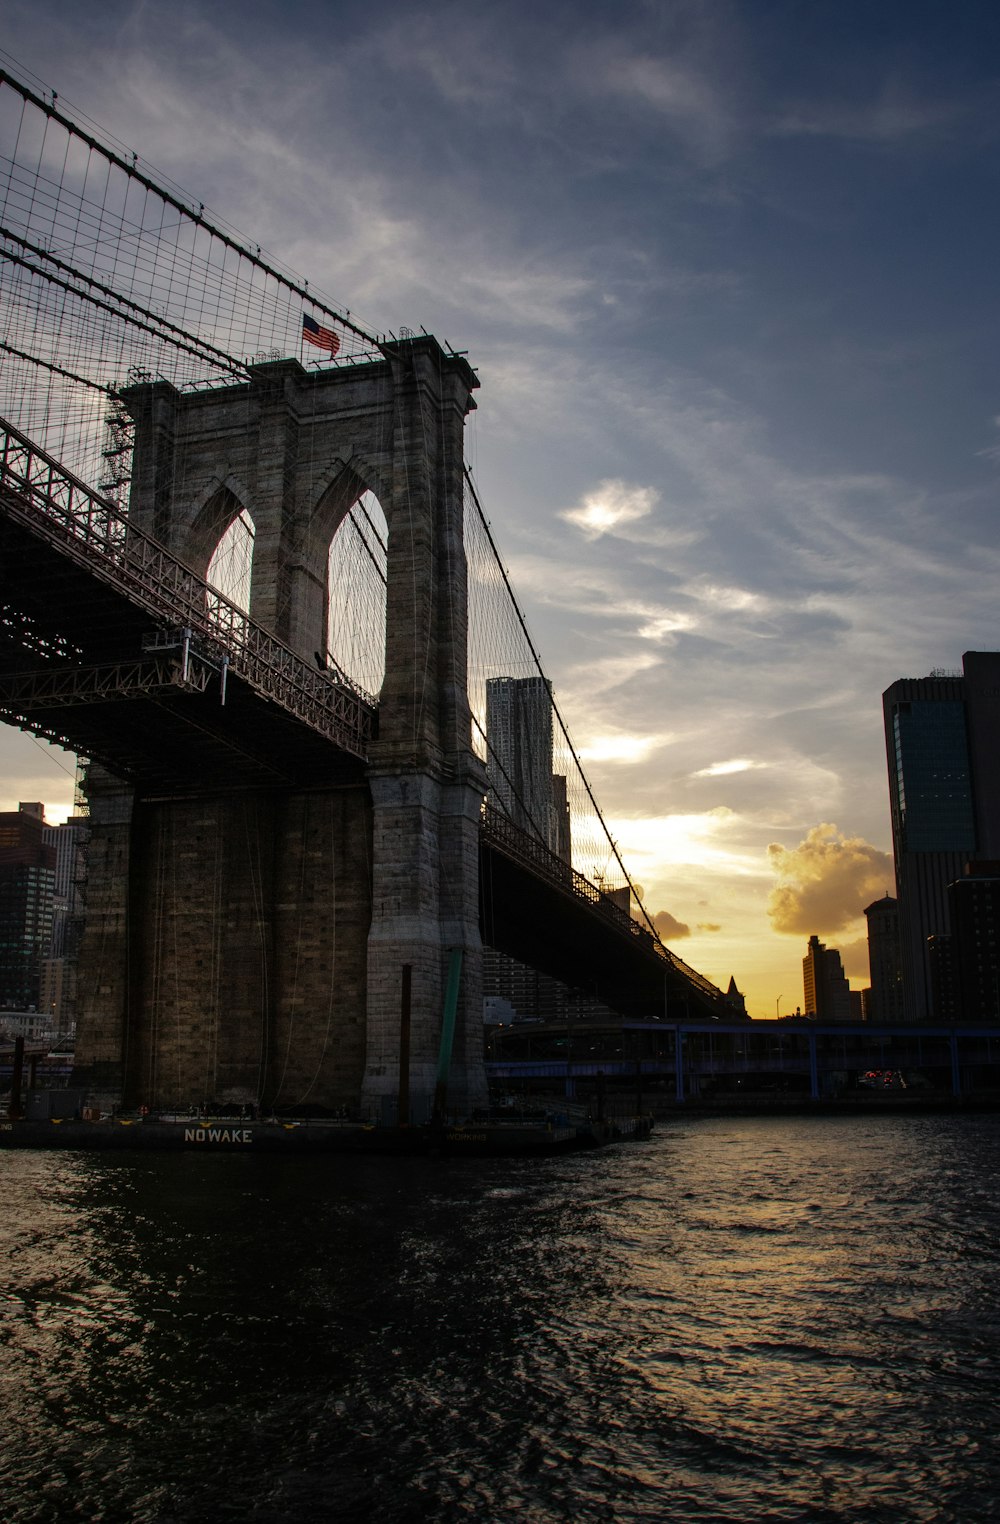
column 113, row 648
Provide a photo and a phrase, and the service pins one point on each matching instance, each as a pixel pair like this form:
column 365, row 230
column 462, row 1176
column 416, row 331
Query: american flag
column 323, row 338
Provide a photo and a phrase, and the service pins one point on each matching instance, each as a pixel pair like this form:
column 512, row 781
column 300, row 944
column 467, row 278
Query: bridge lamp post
column 777, row 1007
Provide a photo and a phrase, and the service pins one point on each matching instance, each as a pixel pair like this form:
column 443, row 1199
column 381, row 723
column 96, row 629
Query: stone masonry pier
column 250, row 946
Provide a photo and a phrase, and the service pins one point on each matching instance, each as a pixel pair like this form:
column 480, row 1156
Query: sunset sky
column 728, row 273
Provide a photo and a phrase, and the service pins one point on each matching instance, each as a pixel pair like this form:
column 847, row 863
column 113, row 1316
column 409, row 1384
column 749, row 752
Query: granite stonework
column 251, row 948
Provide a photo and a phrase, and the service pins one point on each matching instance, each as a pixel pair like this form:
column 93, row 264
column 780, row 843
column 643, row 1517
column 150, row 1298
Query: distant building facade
column 826, row 992
column 41, row 909
column 942, row 743
column 943, row 977
column 965, row 962
column 515, row 992
column 33, row 1026
column 519, row 772
column 519, row 759
column 885, row 997
column 27, row 888
column 58, row 994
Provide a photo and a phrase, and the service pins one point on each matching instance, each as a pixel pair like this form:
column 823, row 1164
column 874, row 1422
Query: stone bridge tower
column 278, row 976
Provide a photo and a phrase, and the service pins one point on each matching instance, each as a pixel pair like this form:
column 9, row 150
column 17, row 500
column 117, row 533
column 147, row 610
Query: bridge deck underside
column 543, row 926
column 58, row 621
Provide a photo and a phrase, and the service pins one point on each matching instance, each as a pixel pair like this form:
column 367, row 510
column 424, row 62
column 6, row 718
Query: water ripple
column 745, row 1320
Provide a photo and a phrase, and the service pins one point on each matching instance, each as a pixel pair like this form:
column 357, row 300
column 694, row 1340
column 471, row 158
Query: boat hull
column 223, row 1136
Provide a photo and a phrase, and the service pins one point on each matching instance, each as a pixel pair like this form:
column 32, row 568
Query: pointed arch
column 218, row 541
column 222, row 502
column 230, row 566
column 351, row 527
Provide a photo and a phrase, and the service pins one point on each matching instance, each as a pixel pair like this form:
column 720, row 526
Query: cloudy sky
column 728, row 273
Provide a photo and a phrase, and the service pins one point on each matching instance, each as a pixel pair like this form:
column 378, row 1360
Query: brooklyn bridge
column 245, row 573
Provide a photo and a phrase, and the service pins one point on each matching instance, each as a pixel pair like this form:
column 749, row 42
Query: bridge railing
column 517, row 843
column 95, row 533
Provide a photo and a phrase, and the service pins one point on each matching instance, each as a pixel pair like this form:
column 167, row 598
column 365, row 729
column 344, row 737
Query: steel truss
column 23, row 692
column 89, row 529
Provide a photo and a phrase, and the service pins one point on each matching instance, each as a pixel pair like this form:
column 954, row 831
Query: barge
column 484, row 1137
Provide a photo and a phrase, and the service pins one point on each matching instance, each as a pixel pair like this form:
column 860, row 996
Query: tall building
column 825, row 987
column 885, row 998
column 965, row 963
column 519, row 771
column 942, row 742
column 27, row 883
column 519, row 759
column 58, row 993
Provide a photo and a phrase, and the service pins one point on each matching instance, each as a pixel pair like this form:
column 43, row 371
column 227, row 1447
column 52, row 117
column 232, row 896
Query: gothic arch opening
column 230, row 566
column 356, row 581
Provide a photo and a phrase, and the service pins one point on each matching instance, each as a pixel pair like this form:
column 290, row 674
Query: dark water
column 742, row 1320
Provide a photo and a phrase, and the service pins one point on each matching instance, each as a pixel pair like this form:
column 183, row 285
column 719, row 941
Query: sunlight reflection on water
column 743, row 1319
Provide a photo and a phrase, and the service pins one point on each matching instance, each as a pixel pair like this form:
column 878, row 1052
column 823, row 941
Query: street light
column 777, row 1007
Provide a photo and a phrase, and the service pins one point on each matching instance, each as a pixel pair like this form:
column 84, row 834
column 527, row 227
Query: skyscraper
column 27, row 879
column 519, row 759
column 519, row 770
column 886, row 995
column 965, row 964
column 58, row 994
column 942, row 743
column 824, row 983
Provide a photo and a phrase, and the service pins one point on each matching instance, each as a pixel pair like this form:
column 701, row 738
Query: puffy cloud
column 826, row 881
column 668, row 928
column 854, row 957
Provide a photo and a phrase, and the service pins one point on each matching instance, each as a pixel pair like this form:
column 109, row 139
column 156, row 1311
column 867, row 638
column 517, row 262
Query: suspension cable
column 555, row 707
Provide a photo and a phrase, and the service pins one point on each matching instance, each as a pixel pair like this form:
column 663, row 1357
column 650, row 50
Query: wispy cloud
column 470, row 65
column 893, row 118
column 611, row 505
column 724, row 432
column 621, row 748
column 678, row 92
column 725, row 769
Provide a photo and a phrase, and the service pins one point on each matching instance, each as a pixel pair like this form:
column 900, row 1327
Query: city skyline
column 727, row 280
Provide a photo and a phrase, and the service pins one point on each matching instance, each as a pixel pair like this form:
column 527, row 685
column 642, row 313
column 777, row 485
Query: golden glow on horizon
column 660, row 844
column 705, row 870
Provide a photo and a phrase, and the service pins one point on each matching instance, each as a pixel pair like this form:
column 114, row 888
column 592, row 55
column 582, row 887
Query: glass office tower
column 942, row 733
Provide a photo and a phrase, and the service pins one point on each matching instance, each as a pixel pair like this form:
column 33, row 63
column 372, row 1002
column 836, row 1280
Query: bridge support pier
column 250, row 947
column 427, row 784
column 223, row 959
column 425, row 855
column 103, row 956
